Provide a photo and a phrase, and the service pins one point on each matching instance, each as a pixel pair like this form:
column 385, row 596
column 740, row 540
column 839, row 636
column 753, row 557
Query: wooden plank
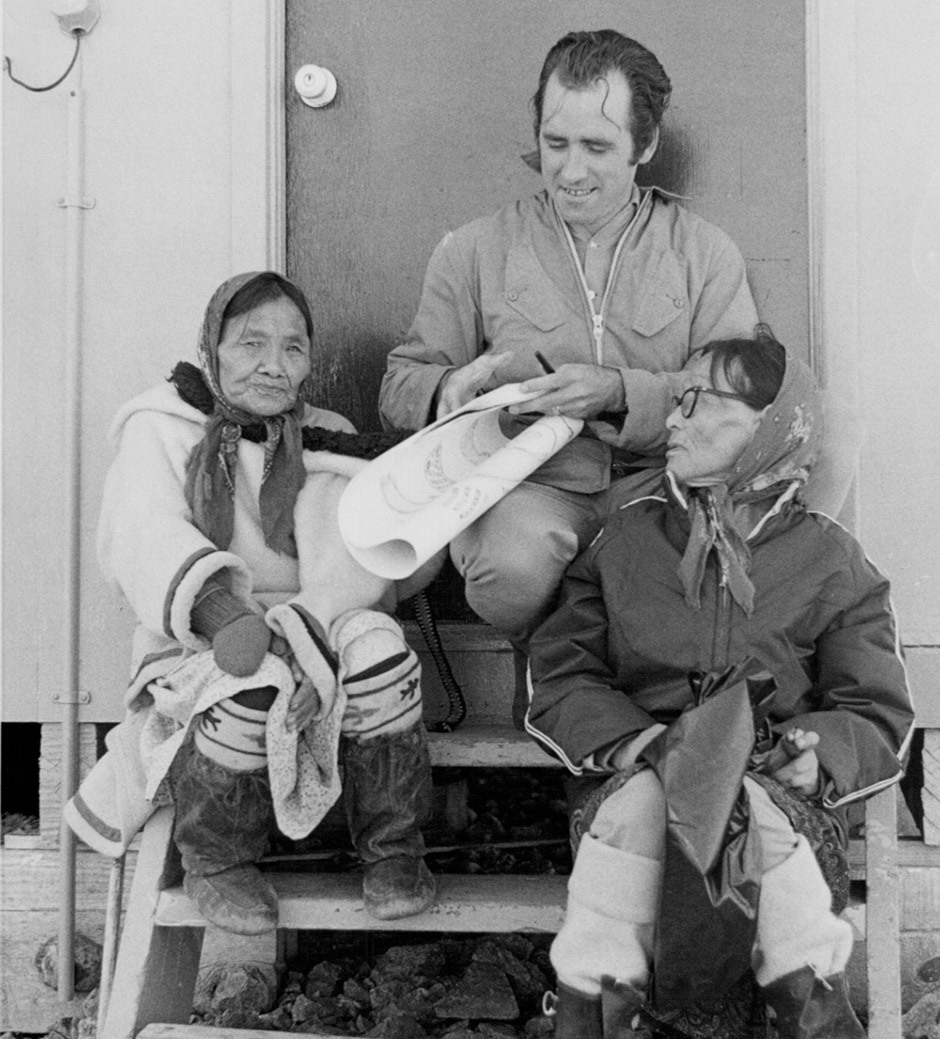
column 931, row 788
column 481, row 660
column 912, row 854
column 156, row 967
column 30, row 879
column 333, row 902
column 920, row 899
column 923, row 674
column 476, row 745
column 169, row 1031
column 917, row 948
column 882, row 917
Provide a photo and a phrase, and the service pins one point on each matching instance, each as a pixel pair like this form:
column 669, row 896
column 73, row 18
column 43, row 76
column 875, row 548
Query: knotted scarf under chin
column 210, row 472
column 712, row 511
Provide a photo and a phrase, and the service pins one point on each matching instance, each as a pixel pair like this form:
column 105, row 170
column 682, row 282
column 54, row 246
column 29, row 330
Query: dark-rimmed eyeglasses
column 686, row 403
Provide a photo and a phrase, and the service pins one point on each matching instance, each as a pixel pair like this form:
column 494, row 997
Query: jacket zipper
column 721, row 633
column 597, row 320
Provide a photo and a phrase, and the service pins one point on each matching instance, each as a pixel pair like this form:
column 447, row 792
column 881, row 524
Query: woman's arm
column 578, row 705
column 147, row 544
column 864, row 717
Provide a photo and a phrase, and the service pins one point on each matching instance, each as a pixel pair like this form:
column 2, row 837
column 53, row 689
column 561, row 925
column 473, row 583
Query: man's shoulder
column 503, row 223
column 684, row 224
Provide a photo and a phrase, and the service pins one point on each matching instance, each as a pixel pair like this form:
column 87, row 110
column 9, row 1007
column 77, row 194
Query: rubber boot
column 222, row 822
column 577, row 1015
column 809, row 1006
column 387, row 793
column 620, row 1008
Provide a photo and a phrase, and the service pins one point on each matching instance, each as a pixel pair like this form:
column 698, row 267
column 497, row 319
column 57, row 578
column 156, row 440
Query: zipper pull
column 598, row 333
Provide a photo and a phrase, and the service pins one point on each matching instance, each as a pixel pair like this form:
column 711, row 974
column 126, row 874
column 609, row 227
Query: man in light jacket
column 593, row 293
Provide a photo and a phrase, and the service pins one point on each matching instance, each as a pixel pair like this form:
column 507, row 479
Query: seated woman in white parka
column 264, row 659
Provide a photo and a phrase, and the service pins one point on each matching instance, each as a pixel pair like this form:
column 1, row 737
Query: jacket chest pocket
column 529, row 292
column 662, row 298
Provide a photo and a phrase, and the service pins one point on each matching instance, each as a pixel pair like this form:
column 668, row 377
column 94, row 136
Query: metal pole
column 73, row 203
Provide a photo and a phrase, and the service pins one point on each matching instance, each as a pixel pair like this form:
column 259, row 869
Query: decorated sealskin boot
column 223, row 817
column 387, row 794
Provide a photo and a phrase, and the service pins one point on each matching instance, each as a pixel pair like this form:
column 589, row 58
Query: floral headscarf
column 780, row 454
column 210, row 470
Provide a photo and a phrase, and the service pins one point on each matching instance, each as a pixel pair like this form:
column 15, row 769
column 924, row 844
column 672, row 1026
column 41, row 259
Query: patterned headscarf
column 780, row 454
column 210, row 470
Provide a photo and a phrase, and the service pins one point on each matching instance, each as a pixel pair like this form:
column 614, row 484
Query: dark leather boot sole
column 238, row 900
column 397, row 887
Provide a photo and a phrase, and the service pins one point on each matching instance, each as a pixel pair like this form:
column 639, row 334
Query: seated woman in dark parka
column 726, row 564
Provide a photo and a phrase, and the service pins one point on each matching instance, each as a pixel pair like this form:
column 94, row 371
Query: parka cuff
column 229, row 569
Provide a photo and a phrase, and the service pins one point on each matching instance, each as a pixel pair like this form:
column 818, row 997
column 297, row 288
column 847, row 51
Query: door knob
column 315, row 85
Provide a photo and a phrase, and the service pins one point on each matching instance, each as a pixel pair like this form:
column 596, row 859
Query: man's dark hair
column 266, row 288
column 582, row 58
column 753, row 367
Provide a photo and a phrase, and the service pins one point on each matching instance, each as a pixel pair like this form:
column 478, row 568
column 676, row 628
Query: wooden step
column 170, row 1031
column 481, row 745
column 333, row 902
column 481, row 660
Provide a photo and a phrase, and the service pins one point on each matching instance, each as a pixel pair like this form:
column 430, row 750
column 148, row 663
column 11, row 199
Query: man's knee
column 512, row 561
column 510, row 590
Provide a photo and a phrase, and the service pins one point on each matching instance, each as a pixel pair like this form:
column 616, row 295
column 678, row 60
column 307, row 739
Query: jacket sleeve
column 725, row 306
column 864, row 716
column 147, row 543
column 447, row 333
column 577, row 706
column 722, row 307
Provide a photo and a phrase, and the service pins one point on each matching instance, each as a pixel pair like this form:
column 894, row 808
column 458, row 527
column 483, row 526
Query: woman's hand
column 304, row 704
column 793, row 762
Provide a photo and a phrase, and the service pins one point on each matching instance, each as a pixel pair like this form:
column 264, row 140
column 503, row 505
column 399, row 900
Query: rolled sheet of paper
column 415, row 498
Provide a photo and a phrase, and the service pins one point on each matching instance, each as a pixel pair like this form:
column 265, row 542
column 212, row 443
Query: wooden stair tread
column 181, row 1031
column 333, row 902
column 483, row 746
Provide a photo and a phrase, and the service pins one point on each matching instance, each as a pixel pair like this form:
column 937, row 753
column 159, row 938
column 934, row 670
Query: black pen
column 613, row 417
column 546, row 367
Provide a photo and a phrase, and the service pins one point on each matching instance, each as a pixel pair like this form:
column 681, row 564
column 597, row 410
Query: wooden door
column 431, row 118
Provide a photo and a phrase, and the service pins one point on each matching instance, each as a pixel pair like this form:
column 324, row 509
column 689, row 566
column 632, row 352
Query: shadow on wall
column 671, row 166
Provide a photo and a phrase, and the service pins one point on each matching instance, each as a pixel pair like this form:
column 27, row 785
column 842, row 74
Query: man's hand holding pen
column 585, row 391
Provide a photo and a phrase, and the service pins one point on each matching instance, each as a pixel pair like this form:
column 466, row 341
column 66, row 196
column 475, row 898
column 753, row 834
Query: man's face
column 586, row 148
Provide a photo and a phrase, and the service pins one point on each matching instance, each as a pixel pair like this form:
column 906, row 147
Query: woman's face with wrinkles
column 705, row 448
column 264, row 356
